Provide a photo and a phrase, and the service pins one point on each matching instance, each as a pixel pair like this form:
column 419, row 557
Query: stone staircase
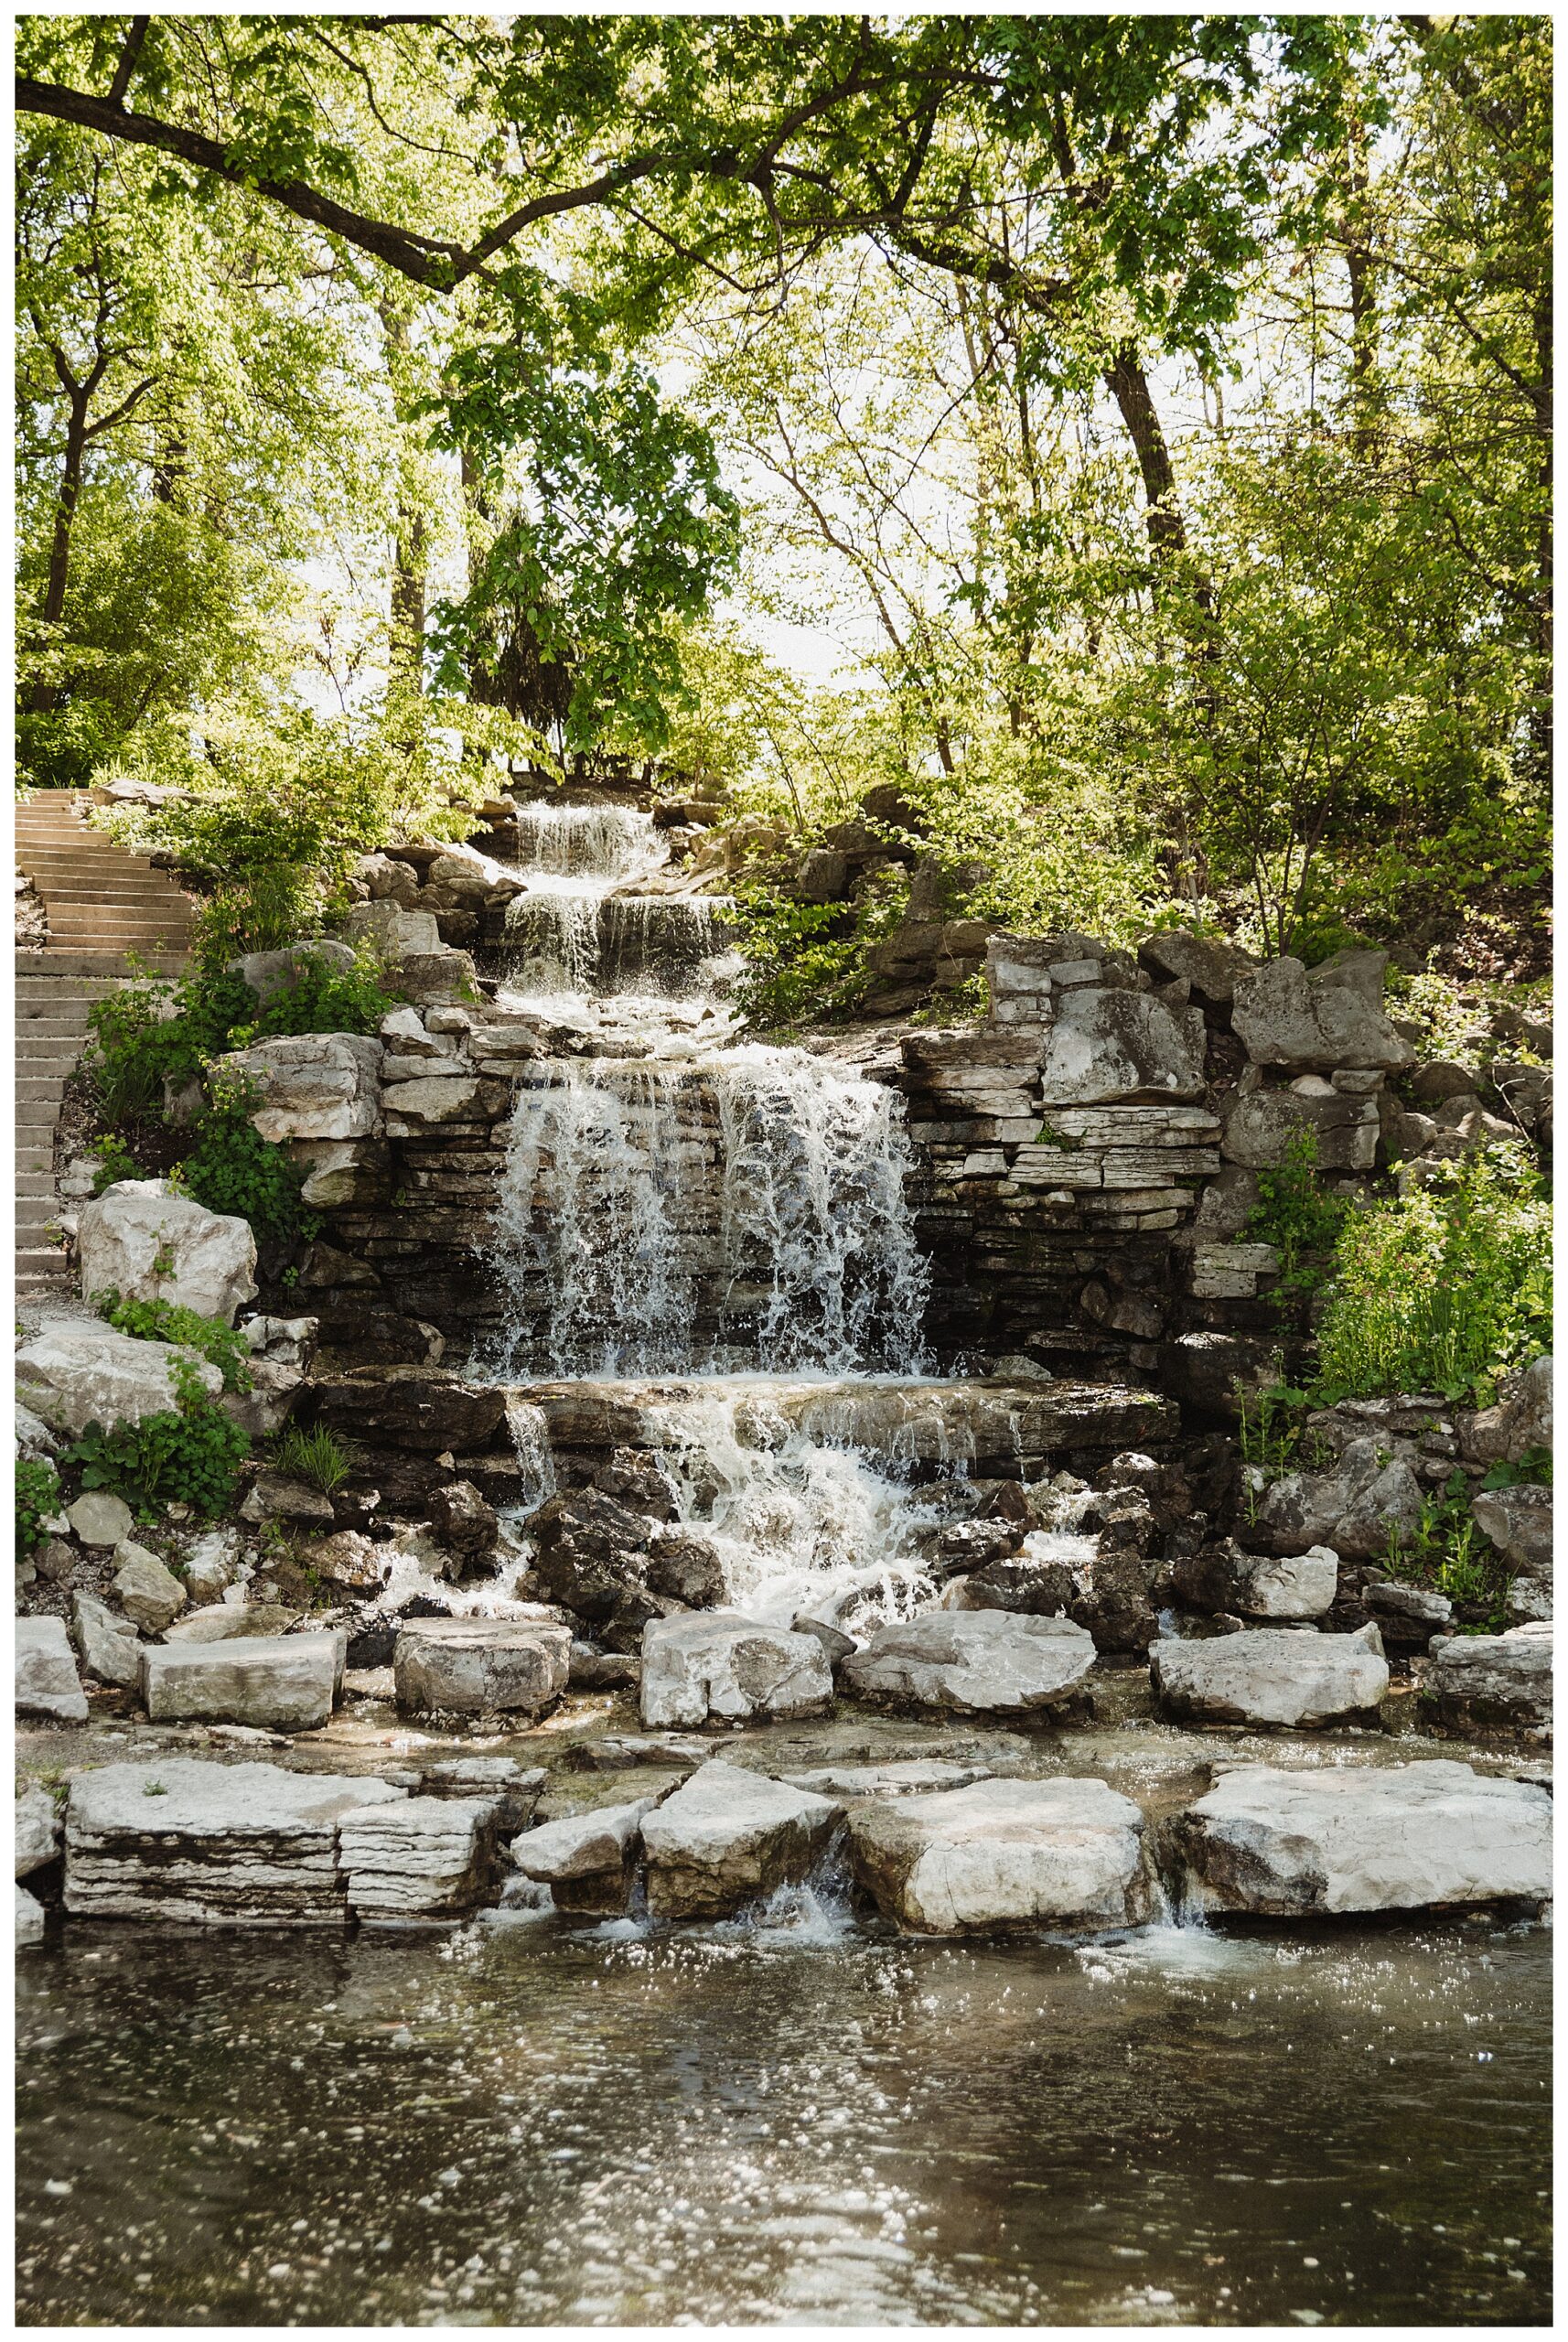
column 103, row 904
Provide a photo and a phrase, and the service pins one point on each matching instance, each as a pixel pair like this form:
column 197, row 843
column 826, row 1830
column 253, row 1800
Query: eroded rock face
column 1330, row 1018
column 424, row 1408
column 1003, row 1855
column 1109, row 1046
column 1518, row 1521
column 1491, row 1682
column 586, row 1859
column 1354, row 1509
column 1272, row 1676
column 279, row 1682
column 727, row 1837
column 144, row 1240
column 73, row 1375
column 462, row 1519
column 973, row 1662
column 425, row 1858
column 37, row 1830
column 718, row 1663
column 1260, row 1126
column 47, row 1681
column 480, row 1666
column 1352, row 1840
column 588, row 1549
column 314, row 1085
column 210, row 1845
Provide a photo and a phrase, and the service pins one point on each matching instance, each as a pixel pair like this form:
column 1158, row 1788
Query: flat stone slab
column 1500, row 1681
column 425, row 1858
column 277, row 1682
column 1352, row 1840
column 480, row 1666
column 1003, row 1855
column 973, row 1662
column 911, row 1777
column 47, row 1681
column 1271, row 1676
column 728, row 1838
column 210, row 1845
column 718, row 1663
column 586, row 1859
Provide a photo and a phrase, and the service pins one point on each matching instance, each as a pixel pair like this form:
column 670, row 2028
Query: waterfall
column 582, row 841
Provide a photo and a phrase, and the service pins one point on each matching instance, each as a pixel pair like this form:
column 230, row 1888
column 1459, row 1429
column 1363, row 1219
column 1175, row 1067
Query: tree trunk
column 45, row 695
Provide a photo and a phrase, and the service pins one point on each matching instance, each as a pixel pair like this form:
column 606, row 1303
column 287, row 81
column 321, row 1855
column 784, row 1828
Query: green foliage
column 188, row 1456
column 1295, row 1215
column 37, row 1497
column 807, row 959
column 1448, row 1553
column 323, row 998
column 1444, row 1289
column 115, row 1162
column 314, row 1455
column 167, row 1321
column 231, row 1168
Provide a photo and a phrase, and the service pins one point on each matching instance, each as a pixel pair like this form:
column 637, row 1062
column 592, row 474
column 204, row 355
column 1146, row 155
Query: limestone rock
column 1481, row 1681
column 480, row 1666
column 269, row 973
column 1333, row 1017
column 350, row 1559
column 314, row 1085
column 228, row 1622
column 1106, row 1046
column 1407, row 1615
column 586, row 1859
column 975, row 1662
column 74, row 1374
column 720, row 1663
column 1259, row 1586
column 98, row 1519
column 1272, row 1676
column 462, row 1519
column 110, row 1646
column 1004, row 1856
column 34, row 1439
column 727, row 1837
column 1352, row 1840
column 686, row 1566
column 392, row 932
column 425, row 1858
column 278, row 1683
column 210, row 1845
column 275, row 1495
column 37, row 1830
column 144, row 1240
column 1354, row 1509
column 415, row 1106
column 29, row 1919
column 512, row 1788
column 1208, row 964
column 47, row 1681
column 907, row 1776
column 1518, row 1521
column 343, row 1174
column 1260, row 1126
column 424, row 1408
column 211, row 1565
column 1037, row 1583
column 148, row 1594
column 1520, row 1426
column 1111, row 1600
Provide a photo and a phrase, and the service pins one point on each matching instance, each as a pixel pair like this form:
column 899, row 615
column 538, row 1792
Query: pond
column 795, row 2124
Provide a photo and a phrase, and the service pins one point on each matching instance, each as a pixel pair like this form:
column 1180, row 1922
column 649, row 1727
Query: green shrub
column 190, row 1457
column 37, row 1495
column 314, row 1456
column 1449, row 1553
column 115, row 1162
column 1294, row 1214
column 1444, row 1289
column 806, row 961
column 328, row 999
column 166, row 1321
column 231, row 1168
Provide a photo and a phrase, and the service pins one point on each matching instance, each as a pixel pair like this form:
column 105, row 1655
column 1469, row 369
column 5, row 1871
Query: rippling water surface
column 514, row 2125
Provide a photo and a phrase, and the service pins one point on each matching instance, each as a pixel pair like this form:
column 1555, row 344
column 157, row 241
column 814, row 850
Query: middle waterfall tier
column 744, row 1207
column 563, row 938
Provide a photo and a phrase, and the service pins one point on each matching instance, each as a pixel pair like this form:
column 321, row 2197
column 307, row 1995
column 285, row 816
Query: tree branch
column 128, row 57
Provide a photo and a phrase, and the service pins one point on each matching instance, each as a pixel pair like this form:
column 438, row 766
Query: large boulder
column 718, row 1663
column 588, row 1550
column 1260, row 1126
column 1481, row 1683
column 1332, row 1017
column 1259, row 1585
column 1272, row 1676
column 1346, row 1840
column 141, row 1239
column 1370, row 1497
column 1107, row 1046
column 728, row 1838
column 47, row 1681
column 586, row 1859
column 973, row 1662
column 313, row 1085
column 392, row 933
column 276, row 1682
column 270, row 973
column 480, row 1666
column 74, row 1374
column 210, row 1845
column 1002, row 1855
column 425, row 1858
column 37, row 1830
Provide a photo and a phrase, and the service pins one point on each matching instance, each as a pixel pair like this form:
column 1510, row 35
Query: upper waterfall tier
column 608, row 842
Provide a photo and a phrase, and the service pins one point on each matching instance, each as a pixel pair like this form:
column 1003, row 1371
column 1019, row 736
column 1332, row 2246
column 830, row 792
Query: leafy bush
column 231, row 1168
column 166, row 1321
column 1444, row 1289
column 327, row 999
column 806, row 960
column 1295, row 1215
column 314, row 1456
column 191, row 1456
column 115, row 1162
column 1448, row 1553
column 37, row 1495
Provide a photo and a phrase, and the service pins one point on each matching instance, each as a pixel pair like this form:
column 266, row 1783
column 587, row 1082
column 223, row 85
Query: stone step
column 34, row 1183
column 40, row 1087
column 74, row 964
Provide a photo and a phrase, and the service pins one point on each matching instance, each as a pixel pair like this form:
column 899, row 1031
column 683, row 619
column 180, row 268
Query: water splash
column 577, row 841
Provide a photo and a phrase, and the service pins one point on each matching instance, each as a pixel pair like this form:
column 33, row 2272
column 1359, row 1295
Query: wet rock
column 977, row 1662
column 636, row 1479
column 148, row 1594
column 727, row 1837
column 228, row 1622
column 110, row 1646
column 72, row 1374
column 588, row 1550
column 1109, row 1046
column 836, row 1644
column 29, row 1920
column 586, row 1859
column 1272, row 1676
column 313, row 1085
column 719, row 1663
column 349, row 1560
column 512, row 1788
column 907, row 1776
column 1203, row 1369
column 1259, row 1586
column 210, row 1845
column 603, row 1671
column 480, row 1666
column 98, row 1519
column 462, row 1519
column 1027, row 1584
column 277, row 1682
column 1111, row 1600
column 1210, row 966
column 1332, row 1017
column 143, row 1240
column 1004, row 1856
column 47, row 1681
column 426, row 1409
column 1491, row 1682
column 1365, row 1500
column 425, row 1858
column 1346, row 1840
column 37, row 1830
column 274, row 1496
column 1518, row 1521
column 974, row 1545
column 687, row 1567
